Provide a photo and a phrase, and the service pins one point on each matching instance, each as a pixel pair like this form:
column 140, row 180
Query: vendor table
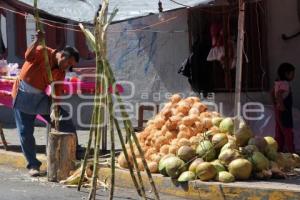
column 78, row 87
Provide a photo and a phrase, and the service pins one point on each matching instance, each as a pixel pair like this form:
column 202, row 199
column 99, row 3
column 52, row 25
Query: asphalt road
column 17, row 185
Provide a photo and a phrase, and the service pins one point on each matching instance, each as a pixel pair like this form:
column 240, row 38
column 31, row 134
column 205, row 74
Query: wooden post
column 3, row 137
column 61, row 154
column 239, row 66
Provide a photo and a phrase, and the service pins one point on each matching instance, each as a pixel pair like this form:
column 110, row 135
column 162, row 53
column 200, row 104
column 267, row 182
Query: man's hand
column 39, row 35
column 30, row 52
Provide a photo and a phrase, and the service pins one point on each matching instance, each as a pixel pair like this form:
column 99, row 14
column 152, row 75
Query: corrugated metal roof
column 84, row 10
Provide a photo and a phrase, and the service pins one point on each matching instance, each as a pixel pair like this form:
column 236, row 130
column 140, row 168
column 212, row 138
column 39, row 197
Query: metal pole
column 239, row 66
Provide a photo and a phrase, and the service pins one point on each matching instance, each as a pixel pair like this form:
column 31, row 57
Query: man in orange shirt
column 30, row 98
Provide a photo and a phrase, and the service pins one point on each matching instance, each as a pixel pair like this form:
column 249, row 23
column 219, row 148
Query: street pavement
column 15, row 184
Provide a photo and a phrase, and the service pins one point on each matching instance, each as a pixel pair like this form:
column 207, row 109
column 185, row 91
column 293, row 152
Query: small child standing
column 283, row 106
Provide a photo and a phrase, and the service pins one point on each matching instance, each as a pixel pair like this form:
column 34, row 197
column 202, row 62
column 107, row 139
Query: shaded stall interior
column 214, row 76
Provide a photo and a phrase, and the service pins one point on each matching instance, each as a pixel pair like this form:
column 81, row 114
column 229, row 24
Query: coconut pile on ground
column 187, row 142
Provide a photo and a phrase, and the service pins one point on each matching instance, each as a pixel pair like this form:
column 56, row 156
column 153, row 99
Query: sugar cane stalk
column 47, row 65
column 112, row 139
column 100, row 43
column 99, row 115
column 127, row 157
column 129, row 130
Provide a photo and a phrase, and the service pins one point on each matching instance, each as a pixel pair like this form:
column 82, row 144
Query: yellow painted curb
column 17, row 160
column 210, row 190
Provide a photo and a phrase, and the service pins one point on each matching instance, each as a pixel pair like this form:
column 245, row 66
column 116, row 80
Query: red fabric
column 216, row 34
column 283, row 136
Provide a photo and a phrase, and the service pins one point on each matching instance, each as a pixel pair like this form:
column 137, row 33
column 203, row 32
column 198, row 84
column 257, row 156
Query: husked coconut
column 175, row 98
column 184, row 142
column 122, row 161
column 153, row 167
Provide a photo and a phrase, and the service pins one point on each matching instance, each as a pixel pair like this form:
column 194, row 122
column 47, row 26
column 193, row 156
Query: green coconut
column 206, row 150
column 259, row 142
column 218, row 165
column 226, row 125
column 271, row 142
column 251, row 148
column 186, row 153
column 194, row 164
column 240, row 168
column 206, row 171
column 229, row 145
column 162, row 164
column 216, row 121
column 174, row 166
column 248, row 150
column 242, row 135
column 271, row 153
column 228, row 155
column 187, row 176
column 219, row 140
column 209, row 134
column 225, row 177
column 259, row 161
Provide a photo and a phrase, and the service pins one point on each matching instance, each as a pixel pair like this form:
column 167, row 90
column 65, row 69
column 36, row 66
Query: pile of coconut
column 187, row 142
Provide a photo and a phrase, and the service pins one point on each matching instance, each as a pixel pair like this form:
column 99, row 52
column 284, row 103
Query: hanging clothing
column 217, row 51
column 197, row 69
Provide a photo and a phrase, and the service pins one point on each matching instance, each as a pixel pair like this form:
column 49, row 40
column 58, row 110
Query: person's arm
column 59, row 86
column 279, row 100
column 31, row 51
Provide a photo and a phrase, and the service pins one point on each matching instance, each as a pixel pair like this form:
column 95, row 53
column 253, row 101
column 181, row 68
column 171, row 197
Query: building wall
column 283, row 18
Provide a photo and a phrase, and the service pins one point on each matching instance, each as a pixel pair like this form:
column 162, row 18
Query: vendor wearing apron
column 30, row 98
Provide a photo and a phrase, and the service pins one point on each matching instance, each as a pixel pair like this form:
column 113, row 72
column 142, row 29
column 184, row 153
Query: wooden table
column 88, row 88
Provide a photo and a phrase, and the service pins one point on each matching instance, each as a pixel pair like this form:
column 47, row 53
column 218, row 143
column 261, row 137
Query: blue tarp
column 84, row 10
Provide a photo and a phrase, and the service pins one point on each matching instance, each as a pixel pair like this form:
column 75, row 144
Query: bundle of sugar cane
column 104, row 76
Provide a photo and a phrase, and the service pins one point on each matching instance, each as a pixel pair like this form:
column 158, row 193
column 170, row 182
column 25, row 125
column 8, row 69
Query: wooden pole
column 239, row 66
column 3, row 137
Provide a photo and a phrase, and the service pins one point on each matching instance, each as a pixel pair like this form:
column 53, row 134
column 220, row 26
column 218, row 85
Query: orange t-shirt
column 34, row 71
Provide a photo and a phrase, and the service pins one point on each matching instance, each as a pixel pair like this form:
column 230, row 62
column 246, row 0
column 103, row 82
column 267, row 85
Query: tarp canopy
column 84, row 10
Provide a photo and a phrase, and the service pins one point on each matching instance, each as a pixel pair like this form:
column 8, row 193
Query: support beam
column 239, row 67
